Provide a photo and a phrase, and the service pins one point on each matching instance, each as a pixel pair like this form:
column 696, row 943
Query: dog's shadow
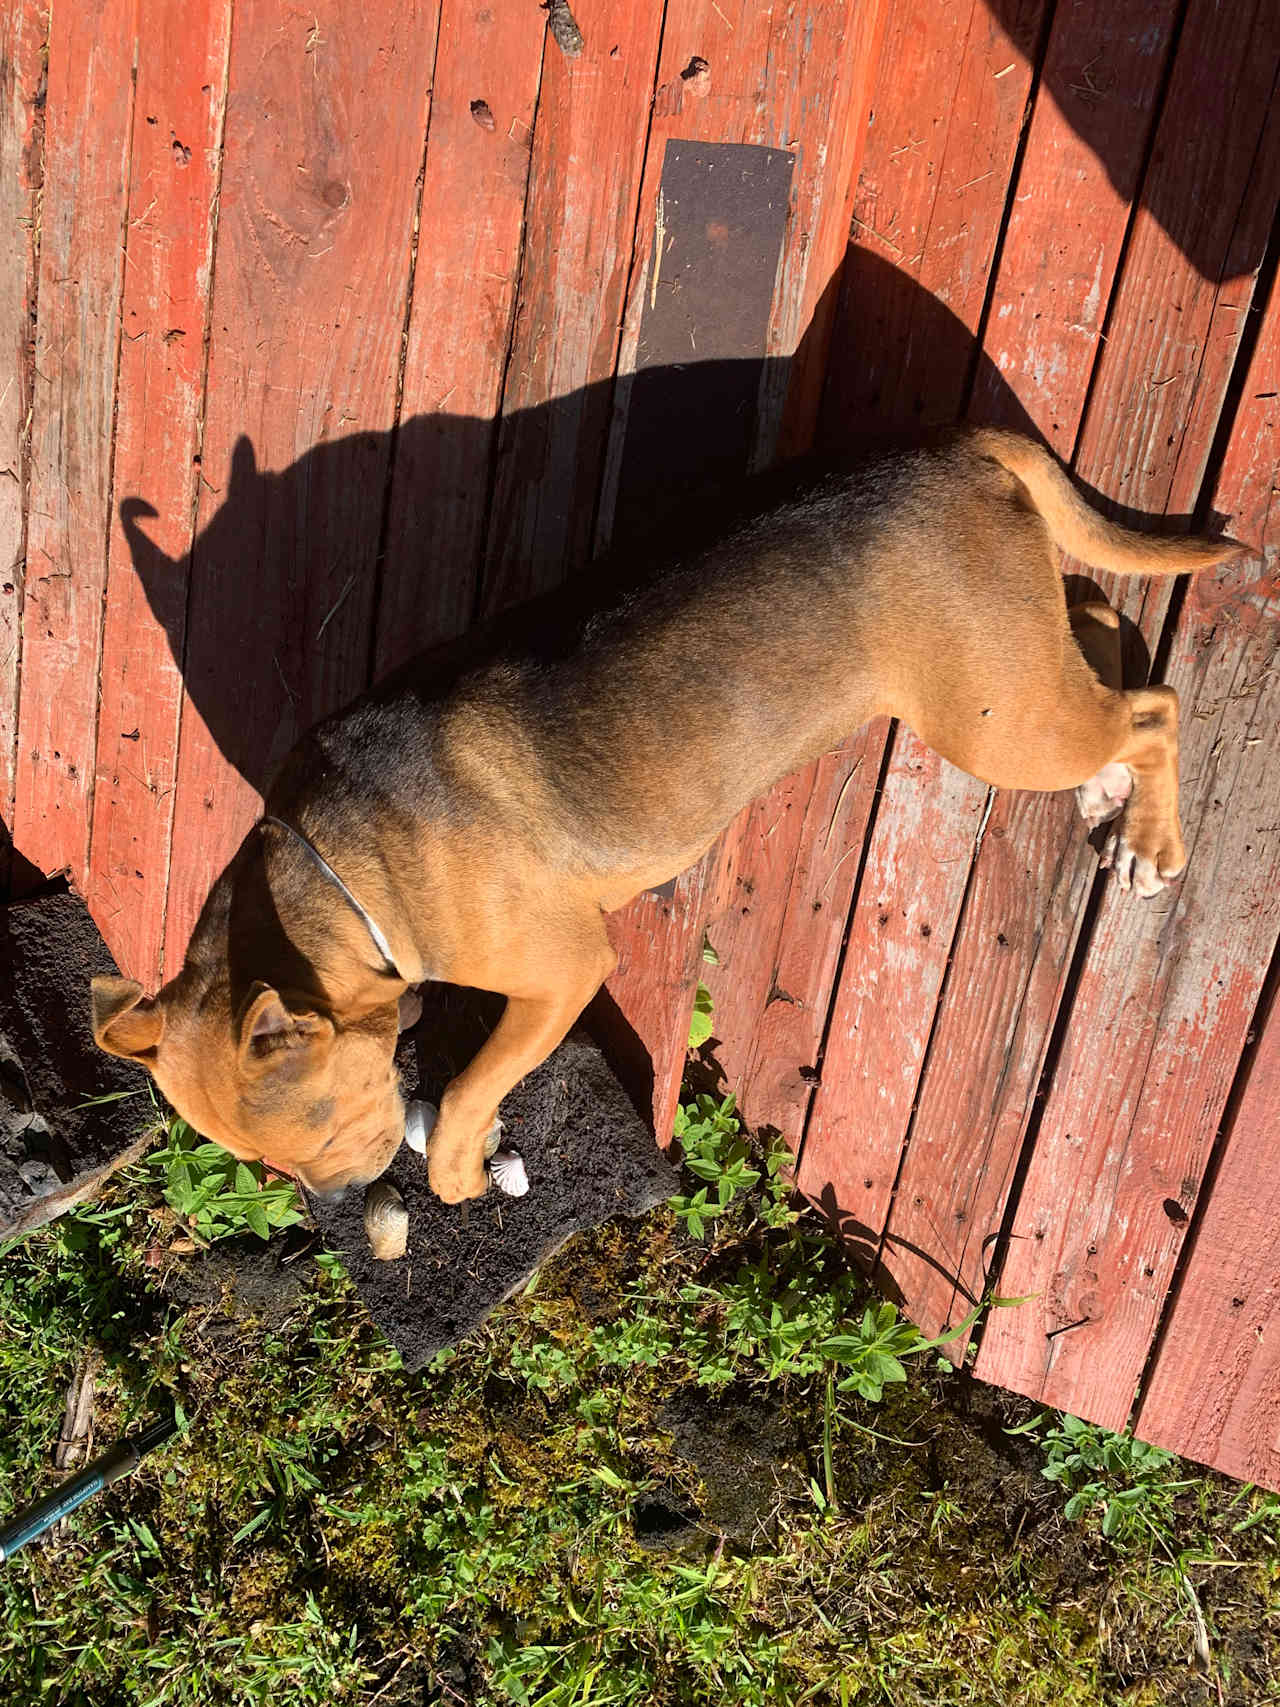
column 299, row 592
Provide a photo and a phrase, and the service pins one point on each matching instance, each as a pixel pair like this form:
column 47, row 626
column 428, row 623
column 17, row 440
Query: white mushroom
column 507, row 1171
column 419, row 1121
column 386, row 1221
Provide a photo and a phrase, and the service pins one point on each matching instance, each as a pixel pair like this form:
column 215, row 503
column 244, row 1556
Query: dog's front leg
column 530, row 1028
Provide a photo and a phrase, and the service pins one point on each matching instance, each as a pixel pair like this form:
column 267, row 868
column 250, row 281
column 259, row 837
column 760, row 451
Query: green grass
column 331, row 1529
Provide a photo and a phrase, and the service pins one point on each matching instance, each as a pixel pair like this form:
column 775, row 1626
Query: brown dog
column 478, row 831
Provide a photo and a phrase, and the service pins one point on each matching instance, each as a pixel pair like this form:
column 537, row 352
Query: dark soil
column 588, row 1154
column 50, row 1067
column 241, row 1282
column 748, row 1453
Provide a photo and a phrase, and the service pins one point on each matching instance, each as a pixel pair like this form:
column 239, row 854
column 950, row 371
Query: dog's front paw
column 1143, row 867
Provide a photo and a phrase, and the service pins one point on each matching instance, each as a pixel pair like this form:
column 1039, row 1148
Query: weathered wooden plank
column 1183, row 295
column 1207, row 202
column 1068, row 214
column 1030, row 880
column 1213, row 1392
column 83, row 206
column 23, row 29
column 802, row 86
column 999, row 1010
column 584, row 185
column 325, row 123
column 470, row 234
column 1215, row 1389
column 776, row 1085
column 1158, row 1024
column 173, row 179
column 588, row 160
column 948, row 106
column 899, row 937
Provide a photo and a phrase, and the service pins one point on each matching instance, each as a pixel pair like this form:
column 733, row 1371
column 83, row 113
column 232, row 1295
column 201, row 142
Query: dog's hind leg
column 1146, row 846
column 1096, row 628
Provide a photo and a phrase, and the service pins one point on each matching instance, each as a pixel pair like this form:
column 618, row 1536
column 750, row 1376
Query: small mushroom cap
column 507, row 1171
column 386, row 1221
column 419, row 1123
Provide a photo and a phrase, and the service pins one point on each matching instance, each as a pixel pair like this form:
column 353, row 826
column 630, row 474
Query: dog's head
column 267, row 1077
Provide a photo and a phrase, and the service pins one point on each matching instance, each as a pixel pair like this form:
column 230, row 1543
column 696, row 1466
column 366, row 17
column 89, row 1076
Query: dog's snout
column 327, row 1194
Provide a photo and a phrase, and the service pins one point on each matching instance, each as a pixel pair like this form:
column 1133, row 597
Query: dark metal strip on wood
column 736, row 77
column 804, row 88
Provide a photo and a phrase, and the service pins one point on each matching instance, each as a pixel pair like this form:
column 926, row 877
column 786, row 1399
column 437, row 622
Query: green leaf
column 703, row 1167
column 700, row 1024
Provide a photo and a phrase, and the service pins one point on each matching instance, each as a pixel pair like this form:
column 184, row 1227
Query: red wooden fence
column 327, row 330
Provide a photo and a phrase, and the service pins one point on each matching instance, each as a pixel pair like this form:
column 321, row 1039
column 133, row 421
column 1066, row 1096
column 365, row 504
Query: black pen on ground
column 34, row 1520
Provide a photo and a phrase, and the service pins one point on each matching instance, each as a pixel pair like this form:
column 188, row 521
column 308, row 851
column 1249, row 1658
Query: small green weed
column 784, row 1310
column 214, row 1193
column 715, row 1150
column 1128, row 1482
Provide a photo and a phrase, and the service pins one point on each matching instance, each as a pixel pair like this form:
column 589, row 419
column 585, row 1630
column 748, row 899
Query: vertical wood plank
column 1028, row 890
column 949, row 104
column 1158, row 1025
column 1207, row 205
column 584, row 188
column 1068, row 213
column 23, row 29
column 588, row 161
column 781, row 1068
column 899, row 937
column 83, row 208
column 173, row 182
column 326, row 118
column 1213, row 1392
column 799, row 83
column 484, row 96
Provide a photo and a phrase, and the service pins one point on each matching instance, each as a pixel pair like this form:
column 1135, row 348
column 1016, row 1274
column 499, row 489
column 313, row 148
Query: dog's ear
column 125, row 1022
column 271, row 1034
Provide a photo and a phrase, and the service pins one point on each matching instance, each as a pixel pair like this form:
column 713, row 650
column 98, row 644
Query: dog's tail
column 1079, row 530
